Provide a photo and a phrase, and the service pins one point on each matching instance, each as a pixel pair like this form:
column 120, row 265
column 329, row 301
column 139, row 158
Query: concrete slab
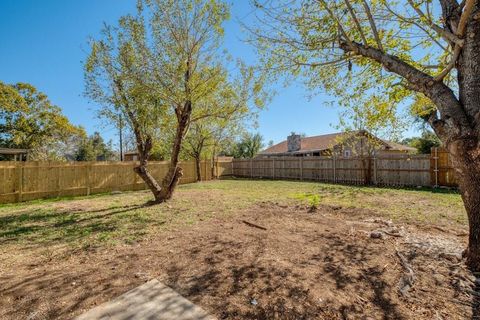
column 152, row 301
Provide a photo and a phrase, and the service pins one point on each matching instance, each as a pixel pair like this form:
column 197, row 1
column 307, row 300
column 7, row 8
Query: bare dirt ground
column 335, row 262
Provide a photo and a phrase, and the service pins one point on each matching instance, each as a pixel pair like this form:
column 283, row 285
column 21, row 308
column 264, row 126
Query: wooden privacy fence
column 23, row 181
column 395, row 170
column 442, row 168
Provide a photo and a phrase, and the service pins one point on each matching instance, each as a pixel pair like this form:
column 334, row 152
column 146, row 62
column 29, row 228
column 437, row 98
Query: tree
column 94, row 148
column 424, row 143
column 248, row 146
column 154, row 68
column 390, row 53
column 222, row 116
column 30, row 121
column 200, row 138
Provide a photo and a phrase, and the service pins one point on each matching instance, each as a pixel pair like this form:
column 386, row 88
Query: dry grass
column 59, row 257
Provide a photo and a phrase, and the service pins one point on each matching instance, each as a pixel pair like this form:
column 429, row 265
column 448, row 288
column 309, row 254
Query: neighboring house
column 342, row 144
column 130, row 156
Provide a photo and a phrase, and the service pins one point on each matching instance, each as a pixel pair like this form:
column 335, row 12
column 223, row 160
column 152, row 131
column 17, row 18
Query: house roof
column 13, row 151
column 325, row 142
column 397, row 146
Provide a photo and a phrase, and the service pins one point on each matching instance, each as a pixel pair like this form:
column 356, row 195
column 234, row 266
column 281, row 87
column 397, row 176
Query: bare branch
column 354, row 17
column 372, row 25
column 444, row 33
column 468, row 8
column 339, row 25
column 469, row 4
column 451, row 64
column 415, row 23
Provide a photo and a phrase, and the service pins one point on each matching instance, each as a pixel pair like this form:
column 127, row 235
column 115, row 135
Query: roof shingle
column 325, row 142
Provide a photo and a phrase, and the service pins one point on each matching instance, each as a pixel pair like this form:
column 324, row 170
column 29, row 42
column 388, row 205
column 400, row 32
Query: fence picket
column 389, row 171
column 32, row 180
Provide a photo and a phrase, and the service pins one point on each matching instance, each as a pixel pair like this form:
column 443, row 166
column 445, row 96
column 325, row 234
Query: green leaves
column 301, row 41
column 30, row 121
column 164, row 58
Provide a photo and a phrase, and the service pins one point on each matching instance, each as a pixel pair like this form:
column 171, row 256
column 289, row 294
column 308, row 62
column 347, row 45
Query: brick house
column 341, row 144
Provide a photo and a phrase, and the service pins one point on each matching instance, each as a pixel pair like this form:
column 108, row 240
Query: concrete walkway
column 153, row 301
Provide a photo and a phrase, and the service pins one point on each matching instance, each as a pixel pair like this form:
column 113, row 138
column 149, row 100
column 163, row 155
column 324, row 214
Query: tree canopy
column 424, row 143
column 374, row 56
column 379, row 55
column 247, row 146
column 30, row 121
column 94, row 148
column 160, row 69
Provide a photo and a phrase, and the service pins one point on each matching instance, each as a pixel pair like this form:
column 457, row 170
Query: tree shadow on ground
column 38, row 296
column 369, row 284
column 45, row 228
column 260, row 290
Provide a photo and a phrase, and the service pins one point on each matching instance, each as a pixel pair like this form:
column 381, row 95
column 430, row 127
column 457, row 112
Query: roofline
column 295, row 152
column 13, row 151
column 387, row 144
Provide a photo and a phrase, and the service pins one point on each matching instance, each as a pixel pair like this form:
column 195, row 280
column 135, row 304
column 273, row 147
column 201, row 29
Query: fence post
column 206, row 170
column 301, row 168
column 251, row 168
column 334, row 169
column 232, row 167
column 58, row 187
column 375, row 169
column 19, row 181
column 273, row 168
column 88, row 169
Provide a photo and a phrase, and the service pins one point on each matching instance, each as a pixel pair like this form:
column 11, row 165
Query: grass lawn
column 63, row 256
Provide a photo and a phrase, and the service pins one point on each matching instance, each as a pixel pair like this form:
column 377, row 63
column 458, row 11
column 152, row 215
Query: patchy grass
column 109, row 219
column 62, row 257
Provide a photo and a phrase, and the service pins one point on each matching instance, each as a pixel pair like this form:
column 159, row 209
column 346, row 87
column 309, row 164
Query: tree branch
column 468, row 8
column 467, row 11
column 372, row 25
column 334, row 17
column 354, row 17
column 450, row 65
column 444, row 33
column 441, row 95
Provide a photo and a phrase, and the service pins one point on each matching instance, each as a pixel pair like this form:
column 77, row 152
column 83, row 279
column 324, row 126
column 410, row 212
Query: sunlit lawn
column 110, row 219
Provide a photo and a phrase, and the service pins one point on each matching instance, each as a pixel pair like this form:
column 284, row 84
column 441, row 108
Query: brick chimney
column 294, row 142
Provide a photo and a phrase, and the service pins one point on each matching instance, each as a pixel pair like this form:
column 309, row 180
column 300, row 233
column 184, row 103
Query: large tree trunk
column 466, row 161
column 144, row 146
column 457, row 118
column 466, row 151
column 149, row 180
column 174, row 173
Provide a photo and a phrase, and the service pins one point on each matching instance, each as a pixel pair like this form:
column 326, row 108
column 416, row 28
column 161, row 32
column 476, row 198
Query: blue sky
column 45, row 42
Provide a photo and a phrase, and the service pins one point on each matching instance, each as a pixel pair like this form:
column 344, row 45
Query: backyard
column 243, row 249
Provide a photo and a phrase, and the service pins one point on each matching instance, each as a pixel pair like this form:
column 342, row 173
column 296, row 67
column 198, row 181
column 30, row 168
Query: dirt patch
column 306, row 265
